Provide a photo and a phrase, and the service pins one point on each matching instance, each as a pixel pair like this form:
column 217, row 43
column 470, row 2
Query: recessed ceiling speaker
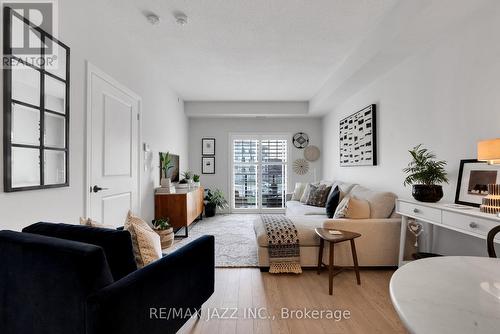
column 181, row 18
column 153, row 19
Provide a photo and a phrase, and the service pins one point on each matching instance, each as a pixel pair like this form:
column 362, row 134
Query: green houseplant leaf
column 424, row 168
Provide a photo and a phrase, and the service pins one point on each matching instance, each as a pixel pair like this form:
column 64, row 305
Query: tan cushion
column 353, row 208
column 298, row 191
column 146, row 242
column 381, row 203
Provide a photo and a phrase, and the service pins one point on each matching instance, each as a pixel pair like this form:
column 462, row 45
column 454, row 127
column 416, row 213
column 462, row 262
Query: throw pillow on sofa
column 145, row 241
column 305, row 194
column 298, row 191
column 353, row 208
column 318, row 195
column 332, row 202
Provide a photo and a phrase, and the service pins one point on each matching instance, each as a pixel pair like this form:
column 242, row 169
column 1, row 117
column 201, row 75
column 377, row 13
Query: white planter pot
column 197, row 184
column 165, row 182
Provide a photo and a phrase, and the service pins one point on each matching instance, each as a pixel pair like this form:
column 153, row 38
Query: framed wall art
column 358, row 138
column 208, row 146
column 208, row 165
column 473, row 179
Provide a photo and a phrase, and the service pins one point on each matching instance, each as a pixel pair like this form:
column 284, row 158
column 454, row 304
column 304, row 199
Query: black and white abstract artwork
column 358, row 138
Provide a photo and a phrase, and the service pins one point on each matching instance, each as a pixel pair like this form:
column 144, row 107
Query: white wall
column 446, row 97
column 164, row 124
column 220, row 128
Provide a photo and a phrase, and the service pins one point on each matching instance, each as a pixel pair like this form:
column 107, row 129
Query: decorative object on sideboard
column 312, row 153
column 163, row 228
column 36, row 106
column 208, row 165
column 491, row 202
column 300, row 140
column 172, row 173
column 358, row 138
column 187, row 180
column 165, row 166
column 214, row 199
column 489, row 151
column 196, row 180
column 301, row 166
column 208, row 146
column 425, row 174
column 473, row 179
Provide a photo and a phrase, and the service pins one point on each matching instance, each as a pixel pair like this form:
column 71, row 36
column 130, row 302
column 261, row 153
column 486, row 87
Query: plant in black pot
column 425, row 174
column 213, row 200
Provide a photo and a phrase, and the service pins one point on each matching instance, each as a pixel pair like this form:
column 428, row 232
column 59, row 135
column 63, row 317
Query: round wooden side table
column 332, row 239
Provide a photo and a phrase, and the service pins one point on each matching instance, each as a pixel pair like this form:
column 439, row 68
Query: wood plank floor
column 240, row 289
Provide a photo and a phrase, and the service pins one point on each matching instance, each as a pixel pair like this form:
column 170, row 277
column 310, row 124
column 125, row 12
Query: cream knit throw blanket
column 283, row 247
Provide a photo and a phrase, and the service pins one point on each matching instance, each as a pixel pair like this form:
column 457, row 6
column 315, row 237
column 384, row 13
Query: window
column 259, row 172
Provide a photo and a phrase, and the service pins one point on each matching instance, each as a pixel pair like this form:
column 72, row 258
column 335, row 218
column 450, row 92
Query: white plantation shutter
column 259, row 172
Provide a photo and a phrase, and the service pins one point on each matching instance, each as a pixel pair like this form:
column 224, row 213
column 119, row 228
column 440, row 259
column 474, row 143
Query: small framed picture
column 208, row 146
column 208, row 165
column 473, row 179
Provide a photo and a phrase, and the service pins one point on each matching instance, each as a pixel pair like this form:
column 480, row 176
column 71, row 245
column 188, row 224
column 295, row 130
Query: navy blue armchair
column 59, row 279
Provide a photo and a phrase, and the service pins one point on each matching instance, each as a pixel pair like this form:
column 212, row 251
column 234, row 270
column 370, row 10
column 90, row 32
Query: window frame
column 259, row 163
column 8, row 13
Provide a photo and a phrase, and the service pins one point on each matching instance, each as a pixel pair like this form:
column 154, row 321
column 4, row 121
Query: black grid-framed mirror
column 36, row 107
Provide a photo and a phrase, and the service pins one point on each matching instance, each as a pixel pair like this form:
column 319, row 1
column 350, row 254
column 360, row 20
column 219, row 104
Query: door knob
column 97, row 189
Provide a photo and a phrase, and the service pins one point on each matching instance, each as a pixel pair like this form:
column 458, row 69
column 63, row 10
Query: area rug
column 235, row 243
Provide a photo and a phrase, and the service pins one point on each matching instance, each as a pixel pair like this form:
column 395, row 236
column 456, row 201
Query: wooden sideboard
column 182, row 208
column 466, row 220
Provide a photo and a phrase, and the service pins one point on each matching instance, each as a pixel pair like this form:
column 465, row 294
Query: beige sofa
column 378, row 245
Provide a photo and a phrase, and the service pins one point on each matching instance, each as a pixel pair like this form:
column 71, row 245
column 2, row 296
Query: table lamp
column 489, row 151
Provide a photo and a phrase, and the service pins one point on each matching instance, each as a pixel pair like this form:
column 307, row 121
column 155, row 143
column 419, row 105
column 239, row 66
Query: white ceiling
column 249, row 50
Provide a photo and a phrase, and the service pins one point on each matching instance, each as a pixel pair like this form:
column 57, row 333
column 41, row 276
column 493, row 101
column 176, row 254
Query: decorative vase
column 491, row 203
column 165, row 182
column 210, row 210
column 166, row 237
column 427, row 193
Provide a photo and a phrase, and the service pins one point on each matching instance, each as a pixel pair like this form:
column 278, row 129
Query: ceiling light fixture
column 181, row 18
column 153, row 19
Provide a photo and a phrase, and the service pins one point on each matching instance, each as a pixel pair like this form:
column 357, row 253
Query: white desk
column 469, row 221
column 450, row 294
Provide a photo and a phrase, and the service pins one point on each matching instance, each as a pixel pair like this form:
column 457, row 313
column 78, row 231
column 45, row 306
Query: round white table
column 449, row 294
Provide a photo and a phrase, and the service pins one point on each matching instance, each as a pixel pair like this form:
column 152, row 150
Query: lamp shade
column 489, row 151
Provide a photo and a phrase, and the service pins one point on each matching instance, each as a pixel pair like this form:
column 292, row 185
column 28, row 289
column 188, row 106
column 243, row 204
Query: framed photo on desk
column 473, row 179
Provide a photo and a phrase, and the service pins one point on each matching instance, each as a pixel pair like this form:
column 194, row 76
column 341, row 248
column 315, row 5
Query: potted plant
column 163, row 228
column 214, row 199
column 165, row 165
column 425, row 174
column 187, row 180
column 196, row 180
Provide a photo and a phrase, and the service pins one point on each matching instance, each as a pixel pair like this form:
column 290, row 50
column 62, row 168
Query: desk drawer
column 467, row 223
column 420, row 211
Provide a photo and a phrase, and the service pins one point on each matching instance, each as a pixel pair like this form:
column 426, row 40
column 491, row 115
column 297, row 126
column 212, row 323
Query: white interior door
column 113, row 149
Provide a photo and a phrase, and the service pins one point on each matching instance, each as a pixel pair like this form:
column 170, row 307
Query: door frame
column 94, row 70
column 259, row 209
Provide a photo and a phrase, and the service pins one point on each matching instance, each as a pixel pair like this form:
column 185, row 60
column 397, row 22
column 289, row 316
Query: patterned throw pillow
column 318, row 195
column 145, row 242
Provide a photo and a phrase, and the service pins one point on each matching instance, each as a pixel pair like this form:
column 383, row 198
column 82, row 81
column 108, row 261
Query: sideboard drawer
column 420, row 211
column 467, row 223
